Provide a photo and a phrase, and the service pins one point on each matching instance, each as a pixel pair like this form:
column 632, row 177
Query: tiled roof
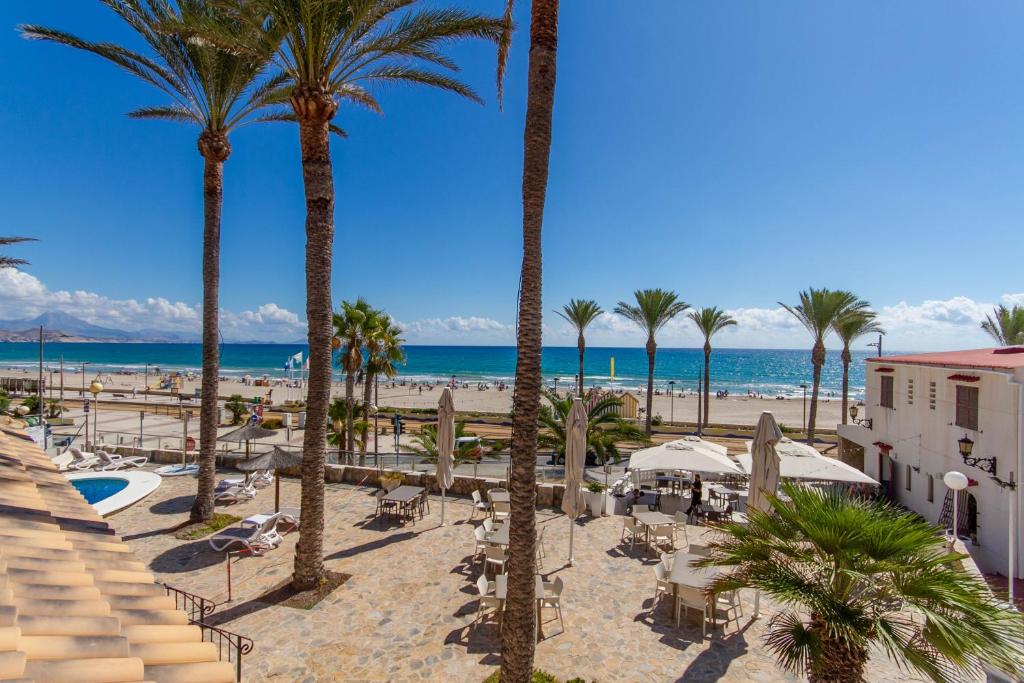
column 75, row 604
column 1006, row 358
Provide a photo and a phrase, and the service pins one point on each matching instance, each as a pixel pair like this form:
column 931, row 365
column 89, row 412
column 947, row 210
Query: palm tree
column 1007, row 328
column 580, row 313
column 653, row 309
column 217, row 91
column 605, row 429
column 518, row 640
column 848, row 328
column 888, row 583
column 424, row 445
column 383, row 354
column 818, row 311
column 338, row 413
column 350, row 327
column 336, row 51
column 10, row 261
column 709, row 320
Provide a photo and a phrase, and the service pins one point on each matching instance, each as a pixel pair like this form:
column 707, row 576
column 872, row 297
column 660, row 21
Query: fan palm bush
column 605, row 429
column 424, row 445
column 856, row 575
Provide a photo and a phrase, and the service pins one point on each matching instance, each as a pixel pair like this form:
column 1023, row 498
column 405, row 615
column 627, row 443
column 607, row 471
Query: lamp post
column 145, row 386
column 957, row 482
column 95, row 388
column 804, row 387
column 700, row 394
column 671, row 401
column 556, row 385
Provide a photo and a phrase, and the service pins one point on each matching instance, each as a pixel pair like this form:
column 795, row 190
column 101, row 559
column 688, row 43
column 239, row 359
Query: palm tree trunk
column 350, row 389
column 581, row 343
column 838, row 661
column 846, row 380
column 215, row 150
column 818, row 359
column 518, row 639
column 367, row 395
column 652, row 349
column 707, row 381
column 315, row 109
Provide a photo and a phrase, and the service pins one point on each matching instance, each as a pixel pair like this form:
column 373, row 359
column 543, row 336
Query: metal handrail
column 197, row 608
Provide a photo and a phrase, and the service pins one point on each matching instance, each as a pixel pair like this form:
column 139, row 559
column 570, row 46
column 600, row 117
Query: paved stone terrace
column 406, row 613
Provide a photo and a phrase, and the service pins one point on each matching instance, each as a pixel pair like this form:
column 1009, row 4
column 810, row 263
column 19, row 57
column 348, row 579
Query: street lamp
column 957, row 482
column 866, row 422
column 671, row 401
column 95, row 388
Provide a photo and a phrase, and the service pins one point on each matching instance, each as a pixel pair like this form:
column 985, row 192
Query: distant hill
column 59, row 326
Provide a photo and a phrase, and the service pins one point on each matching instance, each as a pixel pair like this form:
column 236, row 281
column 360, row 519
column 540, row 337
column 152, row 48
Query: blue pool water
column 96, row 490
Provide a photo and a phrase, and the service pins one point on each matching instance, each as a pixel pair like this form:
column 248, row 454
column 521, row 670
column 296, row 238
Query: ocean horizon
column 770, row 372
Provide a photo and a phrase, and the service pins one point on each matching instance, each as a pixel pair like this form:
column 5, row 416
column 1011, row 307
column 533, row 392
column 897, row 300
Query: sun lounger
column 234, row 494
column 255, row 539
column 110, row 463
column 82, row 461
column 259, row 479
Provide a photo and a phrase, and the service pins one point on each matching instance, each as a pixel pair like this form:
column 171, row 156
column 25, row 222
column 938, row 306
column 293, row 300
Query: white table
column 499, row 536
column 501, row 591
column 649, row 519
column 701, row 578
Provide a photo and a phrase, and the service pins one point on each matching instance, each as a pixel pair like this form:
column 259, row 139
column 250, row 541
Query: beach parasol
column 278, row 459
column 575, row 457
column 690, row 453
column 764, row 466
column 800, row 461
column 247, row 433
column 445, row 444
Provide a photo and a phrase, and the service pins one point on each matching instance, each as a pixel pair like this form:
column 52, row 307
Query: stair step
column 130, row 617
column 159, row 602
column 12, row 664
column 9, row 637
column 69, row 626
column 174, row 653
column 40, row 591
column 122, row 588
column 160, row 633
column 97, row 670
column 74, row 647
column 49, row 578
column 68, row 608
column 205, row 672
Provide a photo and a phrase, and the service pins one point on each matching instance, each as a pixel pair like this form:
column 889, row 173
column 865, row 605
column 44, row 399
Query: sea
column 769, row 372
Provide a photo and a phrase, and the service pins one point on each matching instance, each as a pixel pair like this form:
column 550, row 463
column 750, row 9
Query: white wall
column 926, row 438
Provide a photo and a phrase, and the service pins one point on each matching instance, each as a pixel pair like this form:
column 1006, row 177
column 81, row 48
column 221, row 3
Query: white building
column 917, row 410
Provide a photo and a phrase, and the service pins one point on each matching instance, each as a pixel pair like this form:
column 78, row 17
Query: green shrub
column 5, row 400
column 657, row 421
column 595, row 486
column 238, row 408
column 538, row 677
column 32, row 403
column 272, row 423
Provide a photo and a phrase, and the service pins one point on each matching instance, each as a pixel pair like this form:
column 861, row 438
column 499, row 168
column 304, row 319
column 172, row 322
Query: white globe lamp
column 956, row 482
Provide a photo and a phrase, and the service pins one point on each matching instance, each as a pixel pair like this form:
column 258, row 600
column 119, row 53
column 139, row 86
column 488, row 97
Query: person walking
column 696, row 492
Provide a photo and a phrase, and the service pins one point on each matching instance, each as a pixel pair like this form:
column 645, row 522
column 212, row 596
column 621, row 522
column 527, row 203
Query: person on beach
column 696, row 490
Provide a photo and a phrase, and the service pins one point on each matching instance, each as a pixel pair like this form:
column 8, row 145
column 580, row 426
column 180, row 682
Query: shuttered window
column 967, row 407
column 885, row 399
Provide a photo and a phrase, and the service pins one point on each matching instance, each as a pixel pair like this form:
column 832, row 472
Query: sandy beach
column 734, row 409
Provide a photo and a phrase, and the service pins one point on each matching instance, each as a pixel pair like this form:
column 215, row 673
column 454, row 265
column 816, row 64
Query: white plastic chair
column 688, row 598
column 501, row 511
column 494, row 555
column 479, row 504
column 630, row 529
column 667, row 560
column 553, row 598
column 488, row 525
column 487, row 601
column 680, row 526
column 541, row 553
column 662, row 586
column 662, row 535
column 481, row 542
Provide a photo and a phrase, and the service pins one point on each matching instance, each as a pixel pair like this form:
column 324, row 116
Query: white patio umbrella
column 575, row 458
column 800, row 461
column 764, row 469
column 445, row 444
column 691, row 453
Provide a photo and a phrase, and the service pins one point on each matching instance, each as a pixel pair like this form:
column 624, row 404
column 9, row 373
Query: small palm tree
column 856, row 574
column 605, row 429
column 580, row 313
column 10, row 261
column 350, row 331
column 237, row 406
column 818, row 311
column 384, row 353
column 654, row 308
column 339, row 413
column 848, row 328
column 709, row 321
column 217, row 91
column 1007, row 327
column 424, row 445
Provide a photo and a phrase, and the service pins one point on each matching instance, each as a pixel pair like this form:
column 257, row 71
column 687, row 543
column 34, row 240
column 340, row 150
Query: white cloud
column 458, row 330
column 1012, row 299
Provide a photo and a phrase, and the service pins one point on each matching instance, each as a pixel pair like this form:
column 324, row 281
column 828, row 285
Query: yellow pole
column 613, row 369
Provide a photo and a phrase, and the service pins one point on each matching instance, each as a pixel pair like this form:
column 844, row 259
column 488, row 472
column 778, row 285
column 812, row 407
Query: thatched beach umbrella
column 445, row 444
column 575, row 458
column 277, row 460
column 247, row 433
column 764, row 465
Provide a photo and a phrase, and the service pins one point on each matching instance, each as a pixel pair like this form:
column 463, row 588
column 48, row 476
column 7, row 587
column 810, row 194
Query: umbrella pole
column 277, row 490
column 442, row 506
column 757, row 604
column 572, row 524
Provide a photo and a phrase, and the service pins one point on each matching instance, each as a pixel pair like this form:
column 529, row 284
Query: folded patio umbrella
column 764, row 469
column 575, row 458
column 276, row 460
column 445, row 473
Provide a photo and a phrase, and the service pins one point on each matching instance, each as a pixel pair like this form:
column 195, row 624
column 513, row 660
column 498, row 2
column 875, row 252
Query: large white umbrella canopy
column 691, row 453
column 575, row 458
column 445, row 472
column 764, row 466
column 801, row 461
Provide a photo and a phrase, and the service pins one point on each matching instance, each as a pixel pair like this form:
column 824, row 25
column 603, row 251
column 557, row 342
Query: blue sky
column 733, row 152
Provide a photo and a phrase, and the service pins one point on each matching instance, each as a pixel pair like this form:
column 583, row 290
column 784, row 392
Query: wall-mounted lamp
column 866, row 422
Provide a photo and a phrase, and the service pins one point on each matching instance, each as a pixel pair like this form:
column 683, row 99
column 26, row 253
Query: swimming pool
column 96, row 490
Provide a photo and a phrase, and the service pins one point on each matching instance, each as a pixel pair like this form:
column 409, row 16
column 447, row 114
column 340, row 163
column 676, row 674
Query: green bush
column 5, row 400
column 538, row 677
column 595, row 486
column 657, row 421
column 238, row 408
column 272, row 423
column 32, row 403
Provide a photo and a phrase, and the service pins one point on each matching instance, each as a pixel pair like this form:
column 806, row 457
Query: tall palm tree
column 217, row 91
column 709, row 320
column 518, row 640
column 889, row 583
column 580, row 313
column 1007, row 327
column 384, row 353
column 605, row 429
column 848, row 328
column 10, row 261
column 652, row 311
column 350, row 329
column 337, row 51
column 818, row 311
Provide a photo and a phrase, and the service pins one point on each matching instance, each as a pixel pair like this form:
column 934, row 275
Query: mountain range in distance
column 62, row 327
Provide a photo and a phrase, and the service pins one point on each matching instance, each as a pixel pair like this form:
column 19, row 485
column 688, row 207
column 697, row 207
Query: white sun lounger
column 110, row 463
column 82, row 461
column 234, row 494
column 255, row 539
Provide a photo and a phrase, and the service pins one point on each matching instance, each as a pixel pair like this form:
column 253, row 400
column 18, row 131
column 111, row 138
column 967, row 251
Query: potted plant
column 594, row 497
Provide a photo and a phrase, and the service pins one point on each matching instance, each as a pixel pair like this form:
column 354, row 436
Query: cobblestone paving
column 407, row 612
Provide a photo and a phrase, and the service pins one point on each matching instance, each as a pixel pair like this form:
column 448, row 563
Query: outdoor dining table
column 403, row 496
column 501, row 591
column 649, row 519
column 499, row 496
column 499, row 536
column 723, row 492
column 701, row 578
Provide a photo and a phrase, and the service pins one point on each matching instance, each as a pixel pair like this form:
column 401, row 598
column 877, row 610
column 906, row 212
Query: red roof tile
column 1008, row 358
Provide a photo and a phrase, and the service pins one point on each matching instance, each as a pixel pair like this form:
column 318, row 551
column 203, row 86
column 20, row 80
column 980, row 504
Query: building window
column 908, row 477
column 886, row 396
column 967, row 407
column 931, row 395
column 931, row 489
column 910, row 392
